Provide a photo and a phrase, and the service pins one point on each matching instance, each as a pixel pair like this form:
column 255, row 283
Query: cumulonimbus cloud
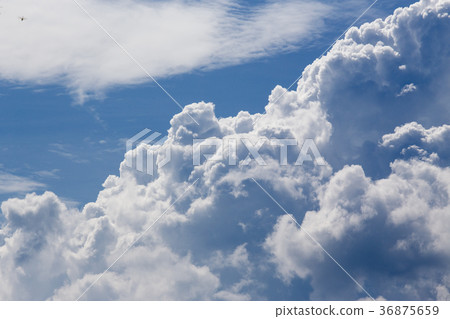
column 224, row 237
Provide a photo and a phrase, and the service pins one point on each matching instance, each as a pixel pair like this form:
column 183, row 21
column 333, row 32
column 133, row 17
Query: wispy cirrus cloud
column 58, row 42
column 63, row 150
column 10, row 183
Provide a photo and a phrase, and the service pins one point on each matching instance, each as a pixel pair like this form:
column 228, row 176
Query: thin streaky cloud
column 167, row 38
column 131, row 57
column 10, row 183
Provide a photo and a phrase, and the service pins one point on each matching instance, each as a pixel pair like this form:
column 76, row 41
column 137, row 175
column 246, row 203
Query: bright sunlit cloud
column 58, row 43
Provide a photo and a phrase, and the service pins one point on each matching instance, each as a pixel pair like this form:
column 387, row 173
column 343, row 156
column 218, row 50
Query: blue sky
column 376, row 106
column 38, row 120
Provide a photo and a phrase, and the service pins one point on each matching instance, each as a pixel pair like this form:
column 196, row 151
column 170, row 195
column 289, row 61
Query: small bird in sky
column 22, row 18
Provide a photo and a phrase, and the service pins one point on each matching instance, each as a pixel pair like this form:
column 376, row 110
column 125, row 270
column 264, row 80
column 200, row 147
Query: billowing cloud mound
column 392, row 234
column 220, row 235
column 413, row 140
column 165, row 37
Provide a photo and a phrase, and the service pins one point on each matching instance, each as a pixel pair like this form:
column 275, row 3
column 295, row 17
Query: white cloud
column 415, row 133
column 356, row 83
column 32, row 254
column 10, row 183
column 237, row 259
column 408, row 88
column 413, row 140
column 147, row 273
column 377, row 228
column 48, row 173
column 395, row 225
column 47, row 246
column 389, row 233
column 166, row 37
